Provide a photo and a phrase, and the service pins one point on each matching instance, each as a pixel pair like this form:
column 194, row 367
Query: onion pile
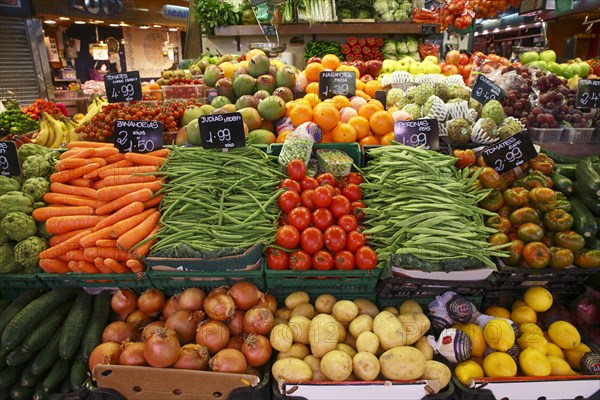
column 225, row 330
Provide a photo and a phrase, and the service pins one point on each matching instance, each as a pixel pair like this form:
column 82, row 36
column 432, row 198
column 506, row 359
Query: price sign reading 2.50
column 222, row 131
column 138, row 136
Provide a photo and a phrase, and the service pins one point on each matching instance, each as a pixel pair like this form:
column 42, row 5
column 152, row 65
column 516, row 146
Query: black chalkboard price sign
column 485, row 90
column 419, row 132
column 427, row 29
column 124, row 87
column 222, row 131
column 138, row 136
column 510, row 152
column 588, row 93
column 381, row 95
column 333, row 83
column 9, row 159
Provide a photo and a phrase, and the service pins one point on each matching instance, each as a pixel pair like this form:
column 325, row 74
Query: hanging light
column 114, row 25
column 64, row 18
column 173, row 29
column 80, row 22
column 144, row 27
column 157, row 26
column 50, row 21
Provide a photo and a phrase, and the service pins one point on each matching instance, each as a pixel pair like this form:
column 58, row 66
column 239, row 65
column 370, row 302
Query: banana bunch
column 56, row 133
column 94, row 108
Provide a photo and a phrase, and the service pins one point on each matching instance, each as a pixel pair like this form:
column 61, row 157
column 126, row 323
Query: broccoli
column 18, row 226
column 8, row 185
column 27, row 252
column 36, row 187
column 8, row 264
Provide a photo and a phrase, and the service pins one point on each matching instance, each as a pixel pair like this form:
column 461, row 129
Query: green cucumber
column 59, row 372
column 561, row 183
column 74, row 326
column 593, row 243
column 588, row 177
column 46, row 357
column 37, row 339
column 584, row 196
column 17, row 305
column 584, row 222
column 21, row 393
column 3, row 304
column 560, row 159
column 567, row 170
column 39, row 393
column 4, row 394
column 10, row 376
column 92, row 336
column 28, row 378
column 65, row 386
column 32, row 314
column 18, row 357
column 79, row 374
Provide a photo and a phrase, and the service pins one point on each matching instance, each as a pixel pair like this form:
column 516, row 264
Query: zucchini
column 65, row 386
column 567, row 170
column 28, row 378
column 95, row 326
column 32, row 314
column 74, row 326
column 46, row 357
column 593, row 243
column 21, row 393
column 39, row 393
column 37, row 339
column 588, row 177
column 562, row 183
column 58, row 373
column 584, row 222
column 79, row 374
column 10, row 376
column 3, row 304
column 18, row 357
column 559, row 159
column 17, row 305
column 587, row 199
column 4, row 394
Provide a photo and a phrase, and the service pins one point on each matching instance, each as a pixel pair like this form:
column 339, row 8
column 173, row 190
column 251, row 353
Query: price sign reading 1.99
column 334, row 83
column 125, row 87
column 222, row 131
column 420, row 132
column 510, row 152
column 138, row 136
column 588, row 93
column 9, row 159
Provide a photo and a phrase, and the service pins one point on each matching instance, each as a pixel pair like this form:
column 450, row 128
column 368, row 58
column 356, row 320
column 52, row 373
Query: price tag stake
column 420, row 132
column 138, row 136
column 9, row 159
column 222, row 131
column 124, row 87
column 334, row 83
column 510, row 153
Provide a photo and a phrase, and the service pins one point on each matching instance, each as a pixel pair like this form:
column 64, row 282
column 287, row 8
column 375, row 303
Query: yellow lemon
column 499, row 334
column 559, row 366
column 498, row 312
column 522, row 314
column 468, row 370
column 574, row 356
column 554, row 350
column 534, row 363
column 252, row 53
column 475, row 333
column 564, row 335
column 517, row 303
column 538, row 298
column 535, row 341
column 228, row 69
column 528, row 328
column 499, row 365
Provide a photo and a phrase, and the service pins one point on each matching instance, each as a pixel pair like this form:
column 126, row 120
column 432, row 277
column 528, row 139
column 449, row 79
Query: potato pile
column 343, row 340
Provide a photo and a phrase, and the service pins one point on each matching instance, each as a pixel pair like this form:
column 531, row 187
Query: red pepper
column 358, row 57
column 380, row 57
column 362, row 42
column 366, row 50
column 352, row 41
column 371, row 42
column 368, row 57
column 379, row 42
column 376, row 50
column 356, row 49
column 349, row 57
column 346, row 49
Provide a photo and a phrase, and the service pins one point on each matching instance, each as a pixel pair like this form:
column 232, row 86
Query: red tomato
column 477, row 58
column 300, row 217
column 287, row 237
column 326, row 178
column 355, row 241
column 335, row 238
column 322, row 260
column 291, row 184
column 352, row 192
column 354, row 177
column 365, row 258
column 337, row 191
column 344, row 260
column 322, row 218
column 308, row 182
column 311, row 240
column 296, row 170
column 277, row 259
column 340, row 205
column 347, row 222
column 450, row 69
column 466, row 71
column 306, row 199
column 355, row 209
column 453, row 57
column 322, row 196
column 342, row 182
column 463, row 59
column 288, row 200
column 300, row 261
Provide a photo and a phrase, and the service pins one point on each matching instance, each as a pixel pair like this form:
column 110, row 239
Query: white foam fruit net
column 479, row 136
column 429, row 78
column 454, row 80
column 438, row 110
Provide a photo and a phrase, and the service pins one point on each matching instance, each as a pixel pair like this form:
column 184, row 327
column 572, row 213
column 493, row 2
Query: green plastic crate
column 352, row 149
column 133, row 280
column 11, row 285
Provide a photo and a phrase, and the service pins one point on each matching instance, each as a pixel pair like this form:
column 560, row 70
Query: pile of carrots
column 102, row 204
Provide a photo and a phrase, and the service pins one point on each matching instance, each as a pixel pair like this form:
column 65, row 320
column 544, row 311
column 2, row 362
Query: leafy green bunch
column 213, row 13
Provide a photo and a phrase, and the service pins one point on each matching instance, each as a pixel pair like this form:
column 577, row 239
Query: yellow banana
column 92, row 111
column 42, row 137
column 72, row 135
column 59, row 133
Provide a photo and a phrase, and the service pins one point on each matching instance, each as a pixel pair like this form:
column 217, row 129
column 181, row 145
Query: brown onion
column 245, row 295
column 105, row 353
column 220, row 290
column 268, row 301
column 219, row 307
column 161, row 348
column 170, row 306
column 258, row 320
column 151, row 302
column 119, row 332
column 138, row 319
column 235, row 342
column 257, row 350
column 213, row 334
column 236, row 323
column 123, row 303
column 151, row 328
column 133, row 354
column 229, row 360
column 193, row 356
column 191, row 299
column 184, row 323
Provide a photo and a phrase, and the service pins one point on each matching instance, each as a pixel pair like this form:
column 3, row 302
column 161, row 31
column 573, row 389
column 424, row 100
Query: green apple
column 388, row 66
column 417, row 68
column 430, row 68
column 570, row 71
column 563, row 67
column 538, row 64
column 431, row 59
column 554, row 68
column 548, row 56
column 402, row 65
column 584, row 69
column 409, row 60
column 529, row 57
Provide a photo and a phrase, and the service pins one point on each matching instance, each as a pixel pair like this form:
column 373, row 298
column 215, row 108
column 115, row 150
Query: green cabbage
column 401, row 47
column 412, row 44
column 389, row 48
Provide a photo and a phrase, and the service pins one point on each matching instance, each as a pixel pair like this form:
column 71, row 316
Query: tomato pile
column 40, row 106
column 320, row 227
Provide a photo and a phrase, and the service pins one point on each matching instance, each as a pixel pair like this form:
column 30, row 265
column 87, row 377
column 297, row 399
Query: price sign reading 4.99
column 510, row 152
column 138, row 136
column 485, row 90
column 334, row 83
column 222, row 131
column 588, row 93
column 420, row 132
column 125, row 87
column 9, row 159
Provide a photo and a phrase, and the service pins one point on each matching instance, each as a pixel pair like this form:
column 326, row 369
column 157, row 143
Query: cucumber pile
column 46, row 340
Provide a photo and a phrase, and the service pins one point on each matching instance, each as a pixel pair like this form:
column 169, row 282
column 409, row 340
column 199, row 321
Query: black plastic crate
column 401, row 288
column 516, row 277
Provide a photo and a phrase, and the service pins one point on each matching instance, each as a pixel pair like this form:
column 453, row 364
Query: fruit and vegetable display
column 398, row 49
column 15, row 122
column 41, row 106
column 56, row 133
column 393, row 11
column 351, row 9
column 320, row 48
column 363, row 50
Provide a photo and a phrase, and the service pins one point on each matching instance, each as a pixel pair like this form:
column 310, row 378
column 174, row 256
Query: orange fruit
column 344, row 133
column 377, row 103
column 312, row 87
column 362, row 94
column 361, row 125
column 306, row 102
column 381, row 122
column 367, row 110
column 330, row 61
column 154, row 86
column 301, row 114
column 326, row 117
column 289, row 106
column 327, row 137
column 371, row 87
column 312, row 71
column 282, row 135
column 312, row 98
column 360, row 85
column 349, row 68
column 341, row 101
column 387, row 138
column 366, row 141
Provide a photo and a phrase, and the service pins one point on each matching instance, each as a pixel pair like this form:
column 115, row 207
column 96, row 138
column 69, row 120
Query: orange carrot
column 98, row 185
column 112, row 192
column 106, row 243
column 115, row 180
column 43, row 213
column 81, row 182
column 67, row 223
column 104, row 252
column 69, row 174
column 135, row 266
column 119, row 164
column 144, row 159
column 140, row 195
column 99, row 263
column 62, row 248
column 127, row 170
column 153, row 202
column 74, row 267
column 128, row 211
column 76, row 162
column 123, row 226
column 57, row 187
column 54, row 266
column 143, row 250
column 159, row 153
column 115, row 266
column 116, row 158
column 132, row 237
column 75, row 255
column 71, row 200
column 79, row 153
column 58, row 239
column 104, row 152
column 90, row 239
column 85, row 144
column 87, row 267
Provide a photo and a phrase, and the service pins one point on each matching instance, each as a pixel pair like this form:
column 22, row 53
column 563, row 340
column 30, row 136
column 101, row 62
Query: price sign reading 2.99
column 420, row 132
column 222, row 131
column 9, row 159
column 509, row 153
column 334, row 83
column 138, row 136
column 123, row 87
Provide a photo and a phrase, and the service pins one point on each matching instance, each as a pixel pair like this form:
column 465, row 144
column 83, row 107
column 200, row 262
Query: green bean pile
column 421, row 207
column 217, row 203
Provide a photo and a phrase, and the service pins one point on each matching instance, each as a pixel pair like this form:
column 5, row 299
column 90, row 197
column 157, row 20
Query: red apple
column 464, row 59
column 477, row 58
column 450, row 69
column 313, row 60
column 361, row 66
column 466, row 71
column 366, row 78
column 453, row 57
column 597, row 69
column 374, row 67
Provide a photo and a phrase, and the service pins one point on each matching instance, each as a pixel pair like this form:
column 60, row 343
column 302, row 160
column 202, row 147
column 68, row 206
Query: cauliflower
column 36, row 166
column 18, row 226
column 36, row 187
column 8, row 264
column 8, row 185
column 27, row 252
